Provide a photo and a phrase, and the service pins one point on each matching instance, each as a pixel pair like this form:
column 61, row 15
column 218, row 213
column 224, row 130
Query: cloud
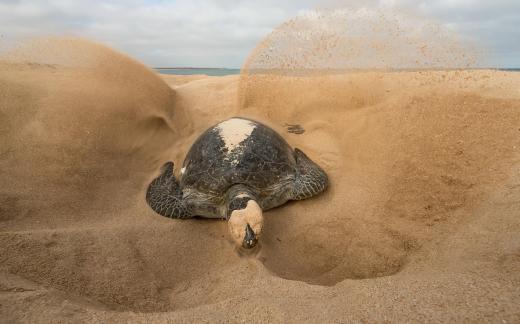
column 491, row 24
column 223, row 32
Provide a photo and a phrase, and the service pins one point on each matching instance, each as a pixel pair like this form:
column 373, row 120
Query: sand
column 420, row 223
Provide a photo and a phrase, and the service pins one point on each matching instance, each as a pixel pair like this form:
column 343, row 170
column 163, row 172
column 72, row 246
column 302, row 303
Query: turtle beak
column 250, row 239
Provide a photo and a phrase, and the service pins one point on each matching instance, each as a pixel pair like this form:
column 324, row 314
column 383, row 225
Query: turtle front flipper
column 310, row 179
column 165, row 196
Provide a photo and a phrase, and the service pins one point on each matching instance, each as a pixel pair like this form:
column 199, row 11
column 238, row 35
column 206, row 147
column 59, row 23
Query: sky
column 221, row 33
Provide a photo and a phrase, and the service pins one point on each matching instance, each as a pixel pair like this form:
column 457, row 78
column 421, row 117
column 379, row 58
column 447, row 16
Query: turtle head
column 245, row 225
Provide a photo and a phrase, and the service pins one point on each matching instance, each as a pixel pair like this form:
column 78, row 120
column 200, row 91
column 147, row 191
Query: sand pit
column 420, row 222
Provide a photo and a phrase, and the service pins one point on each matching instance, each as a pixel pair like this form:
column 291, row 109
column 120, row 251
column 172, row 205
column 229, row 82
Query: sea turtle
column 234, row 171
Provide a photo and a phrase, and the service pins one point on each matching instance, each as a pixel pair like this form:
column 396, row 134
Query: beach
column 420, row 222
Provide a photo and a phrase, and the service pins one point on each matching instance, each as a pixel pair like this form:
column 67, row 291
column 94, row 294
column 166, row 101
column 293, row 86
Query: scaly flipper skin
column 310, row 179
column 165, row 196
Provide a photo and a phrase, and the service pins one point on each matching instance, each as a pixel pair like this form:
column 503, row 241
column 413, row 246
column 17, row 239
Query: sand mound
column 423, row 201
column 406, row 163
column 75, row 138
column 65, row 127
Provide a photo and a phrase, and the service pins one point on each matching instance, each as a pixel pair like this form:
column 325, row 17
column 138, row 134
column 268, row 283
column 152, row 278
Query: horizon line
column 230, row 68
column 194, row 67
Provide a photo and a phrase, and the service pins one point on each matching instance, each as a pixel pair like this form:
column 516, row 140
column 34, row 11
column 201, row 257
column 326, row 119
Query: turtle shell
column 237, row 151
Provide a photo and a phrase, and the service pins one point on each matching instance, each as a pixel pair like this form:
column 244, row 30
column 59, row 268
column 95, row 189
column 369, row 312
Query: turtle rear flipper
column 310, row 179
column 165, row 196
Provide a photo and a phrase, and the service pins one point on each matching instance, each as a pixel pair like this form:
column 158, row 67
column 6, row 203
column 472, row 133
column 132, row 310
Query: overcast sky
column 221, row 33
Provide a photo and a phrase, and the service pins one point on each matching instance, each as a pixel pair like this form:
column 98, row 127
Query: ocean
column 226, row 71
column 191, row 71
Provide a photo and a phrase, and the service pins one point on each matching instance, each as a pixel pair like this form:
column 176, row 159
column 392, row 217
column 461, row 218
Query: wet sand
column 421, row 221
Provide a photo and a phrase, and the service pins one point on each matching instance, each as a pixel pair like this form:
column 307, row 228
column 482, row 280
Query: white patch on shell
column 234, row 131
column 183, row 170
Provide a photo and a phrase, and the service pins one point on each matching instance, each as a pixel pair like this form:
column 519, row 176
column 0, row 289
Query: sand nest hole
column 151, row 267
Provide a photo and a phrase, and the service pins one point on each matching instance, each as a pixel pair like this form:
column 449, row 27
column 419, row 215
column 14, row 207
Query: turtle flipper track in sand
column 310, row 179
column 165, row 196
